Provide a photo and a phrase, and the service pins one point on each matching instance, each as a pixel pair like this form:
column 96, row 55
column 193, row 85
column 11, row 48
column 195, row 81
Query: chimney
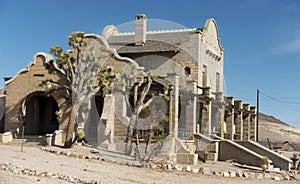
column 140, row 29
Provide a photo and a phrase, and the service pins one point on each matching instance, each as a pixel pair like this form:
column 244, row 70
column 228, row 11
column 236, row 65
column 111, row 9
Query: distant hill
column 277, row 132
column 271, row 119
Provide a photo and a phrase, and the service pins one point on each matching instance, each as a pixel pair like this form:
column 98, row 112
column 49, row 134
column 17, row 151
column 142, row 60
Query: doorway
column 40, row 117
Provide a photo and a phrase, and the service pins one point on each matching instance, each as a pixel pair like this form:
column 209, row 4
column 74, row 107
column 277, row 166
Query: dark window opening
column 188, row 71
column 38, row 75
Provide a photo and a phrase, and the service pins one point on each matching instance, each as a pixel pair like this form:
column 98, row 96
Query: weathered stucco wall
column 26, row 82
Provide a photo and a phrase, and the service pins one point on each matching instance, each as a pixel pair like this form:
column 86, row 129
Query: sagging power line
column 279, row 100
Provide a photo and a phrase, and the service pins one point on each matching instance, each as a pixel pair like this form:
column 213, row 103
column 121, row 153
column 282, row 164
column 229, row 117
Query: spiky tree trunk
column 138, row 106
column 71, row 126
column 82, row 73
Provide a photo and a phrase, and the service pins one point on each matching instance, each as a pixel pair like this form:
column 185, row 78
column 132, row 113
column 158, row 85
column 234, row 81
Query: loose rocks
column 24, row 171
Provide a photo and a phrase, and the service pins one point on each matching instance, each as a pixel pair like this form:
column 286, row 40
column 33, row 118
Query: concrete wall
column 230, row 150
column 277, row 160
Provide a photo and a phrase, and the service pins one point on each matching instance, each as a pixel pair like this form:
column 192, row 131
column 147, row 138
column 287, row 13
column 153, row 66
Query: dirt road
column 95, row 170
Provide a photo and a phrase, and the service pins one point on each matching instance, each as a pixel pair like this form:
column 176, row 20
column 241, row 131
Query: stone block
column 276, row 169
column 276, row 178
column 188, row 168
column 252, row 175
column 49, row 139
column 187, row 158
column 213, row 147
column 232, row 174
column 259, row 176
column 195, row 170
column 218, row 173
column 246, row 175
column 58, row 137
column 6, row 137
column 267, row 176
column 206, row 171
column 211, row 156
column 169, row 167
column 178, row 167
column 190, row 146
column 226, row 174
column 239, row 174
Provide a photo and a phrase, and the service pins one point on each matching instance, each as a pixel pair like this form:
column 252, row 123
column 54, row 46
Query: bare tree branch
column 145, row 90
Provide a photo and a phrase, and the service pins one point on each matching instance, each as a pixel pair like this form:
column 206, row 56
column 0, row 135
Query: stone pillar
column 238, row 119
column 174, row 79
column 217, row 114
column 121, row 107
column 206, row 112
column 106, row 123
column 229, row 117
column 191, row 108
column 253, row 124
column 246, row 122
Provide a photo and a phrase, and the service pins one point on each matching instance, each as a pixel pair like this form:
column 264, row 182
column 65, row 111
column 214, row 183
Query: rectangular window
column 204, row 76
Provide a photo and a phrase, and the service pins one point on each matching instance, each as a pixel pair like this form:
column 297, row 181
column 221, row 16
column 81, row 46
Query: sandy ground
column 104, row 172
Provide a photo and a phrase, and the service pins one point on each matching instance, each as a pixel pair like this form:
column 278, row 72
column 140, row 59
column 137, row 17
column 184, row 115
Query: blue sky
column 261, row 39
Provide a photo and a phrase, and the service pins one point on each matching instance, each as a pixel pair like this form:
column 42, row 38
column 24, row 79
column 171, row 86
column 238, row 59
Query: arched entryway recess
column 40, row 117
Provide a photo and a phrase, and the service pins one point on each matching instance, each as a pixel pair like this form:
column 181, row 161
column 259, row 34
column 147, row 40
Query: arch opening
column 40, row 117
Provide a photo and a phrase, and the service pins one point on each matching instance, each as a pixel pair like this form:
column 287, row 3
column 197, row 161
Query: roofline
column 47, row 57
column 207, row 22
column 113, row 50
column 161, row 31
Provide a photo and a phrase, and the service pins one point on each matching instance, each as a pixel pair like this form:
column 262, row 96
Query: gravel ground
column 96, row 170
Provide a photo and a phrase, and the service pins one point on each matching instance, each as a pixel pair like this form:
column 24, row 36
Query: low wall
column 230, row 150
column 277, row 159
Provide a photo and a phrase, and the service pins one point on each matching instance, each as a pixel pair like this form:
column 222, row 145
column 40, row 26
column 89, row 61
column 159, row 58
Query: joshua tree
column 81, row 74
column 143, row 99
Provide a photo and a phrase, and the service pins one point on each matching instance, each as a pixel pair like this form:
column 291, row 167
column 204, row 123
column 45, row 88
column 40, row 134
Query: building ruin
column 203, row 122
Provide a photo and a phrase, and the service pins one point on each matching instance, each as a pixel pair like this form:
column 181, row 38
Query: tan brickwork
column 26, row 82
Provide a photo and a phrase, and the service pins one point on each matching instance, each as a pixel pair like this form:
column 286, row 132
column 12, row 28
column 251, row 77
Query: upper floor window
column 187, row 71
column 217, row 82
column 204, row 76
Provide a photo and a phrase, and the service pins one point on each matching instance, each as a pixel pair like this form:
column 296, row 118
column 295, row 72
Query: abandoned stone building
column 203, row 122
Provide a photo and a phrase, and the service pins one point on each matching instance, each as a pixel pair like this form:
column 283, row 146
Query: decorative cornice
column 47, row 57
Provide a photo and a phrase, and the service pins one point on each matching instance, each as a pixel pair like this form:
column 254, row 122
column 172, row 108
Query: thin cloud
column 292, row 45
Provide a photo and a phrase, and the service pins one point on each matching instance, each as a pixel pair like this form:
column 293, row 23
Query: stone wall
column 277, row 160
column 2, row 110
column 230, row 150
column 26, row 82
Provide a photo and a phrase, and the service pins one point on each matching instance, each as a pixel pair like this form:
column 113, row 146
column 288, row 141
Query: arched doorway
column 40, row 114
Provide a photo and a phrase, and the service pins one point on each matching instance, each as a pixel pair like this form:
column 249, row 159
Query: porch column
column 121, row 107
column 229, row 117
column 253, row 123
column 106, row 124
column 246, row 122
column 206, row 113
column 238, row 119
column 191, row 108
column 174, row 79
column 217, row 119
